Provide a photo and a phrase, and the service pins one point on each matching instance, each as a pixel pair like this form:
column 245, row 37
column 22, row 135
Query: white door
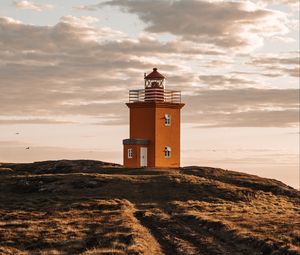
column 144, row 156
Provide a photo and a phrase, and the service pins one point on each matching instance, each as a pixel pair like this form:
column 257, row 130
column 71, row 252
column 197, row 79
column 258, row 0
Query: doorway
column 144, row 159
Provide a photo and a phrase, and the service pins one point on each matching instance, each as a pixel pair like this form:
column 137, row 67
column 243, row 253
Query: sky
column 66, row 68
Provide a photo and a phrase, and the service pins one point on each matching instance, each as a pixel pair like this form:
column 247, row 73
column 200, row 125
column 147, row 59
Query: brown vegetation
column 92, row 207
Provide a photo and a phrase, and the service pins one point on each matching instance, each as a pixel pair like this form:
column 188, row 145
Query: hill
column 92, row 207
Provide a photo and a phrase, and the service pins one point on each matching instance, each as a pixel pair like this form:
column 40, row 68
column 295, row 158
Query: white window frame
column 168, row 120
column 168, row 151
column 129, row 153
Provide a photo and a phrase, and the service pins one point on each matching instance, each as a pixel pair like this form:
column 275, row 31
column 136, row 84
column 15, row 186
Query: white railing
column 154, row 95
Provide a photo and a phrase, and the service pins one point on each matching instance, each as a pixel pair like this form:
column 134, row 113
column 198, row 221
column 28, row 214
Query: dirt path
column 182, row 235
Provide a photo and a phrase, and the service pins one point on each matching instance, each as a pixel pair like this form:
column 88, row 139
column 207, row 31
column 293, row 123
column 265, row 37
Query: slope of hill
column 93, row 207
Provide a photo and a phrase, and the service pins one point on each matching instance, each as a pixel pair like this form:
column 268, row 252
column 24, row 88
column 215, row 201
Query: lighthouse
column 154, row 137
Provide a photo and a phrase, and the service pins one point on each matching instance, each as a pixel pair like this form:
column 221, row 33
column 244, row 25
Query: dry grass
column 92, row 227
column 90, row 207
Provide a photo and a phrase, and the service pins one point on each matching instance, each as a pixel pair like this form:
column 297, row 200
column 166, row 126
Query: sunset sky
column 66, row 68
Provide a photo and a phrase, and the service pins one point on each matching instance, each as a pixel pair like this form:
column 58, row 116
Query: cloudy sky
column 66, row 68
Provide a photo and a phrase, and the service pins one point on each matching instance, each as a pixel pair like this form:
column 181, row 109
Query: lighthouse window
column 167, row 152
column 168, row 120
column 130, row 153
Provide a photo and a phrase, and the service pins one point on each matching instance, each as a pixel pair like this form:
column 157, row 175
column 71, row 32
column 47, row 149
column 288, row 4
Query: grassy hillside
column 92, row 207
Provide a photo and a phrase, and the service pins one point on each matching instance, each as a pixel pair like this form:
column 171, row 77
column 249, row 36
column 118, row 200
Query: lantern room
column 154, row 79
column 154, row 86
column 154, row 119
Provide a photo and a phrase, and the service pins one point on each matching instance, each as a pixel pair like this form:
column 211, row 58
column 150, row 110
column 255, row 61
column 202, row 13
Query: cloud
column 33, row 121
column 291, row 3
column 148, row 45
column 229, row 100
column 75, row 67
column 91, row 7
column 28, row 5
column 250, row 107
column 226, row 81
column 237, row 25
column 252, row 118
column 287, row 64
column 54, row 69
column 78, row 68
column 69, row 34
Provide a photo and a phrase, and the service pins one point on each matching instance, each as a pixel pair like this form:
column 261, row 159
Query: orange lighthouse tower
column 154, row 125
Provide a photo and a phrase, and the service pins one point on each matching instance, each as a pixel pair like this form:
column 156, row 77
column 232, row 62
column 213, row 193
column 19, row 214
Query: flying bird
column 27, row 148
column 17, row 133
